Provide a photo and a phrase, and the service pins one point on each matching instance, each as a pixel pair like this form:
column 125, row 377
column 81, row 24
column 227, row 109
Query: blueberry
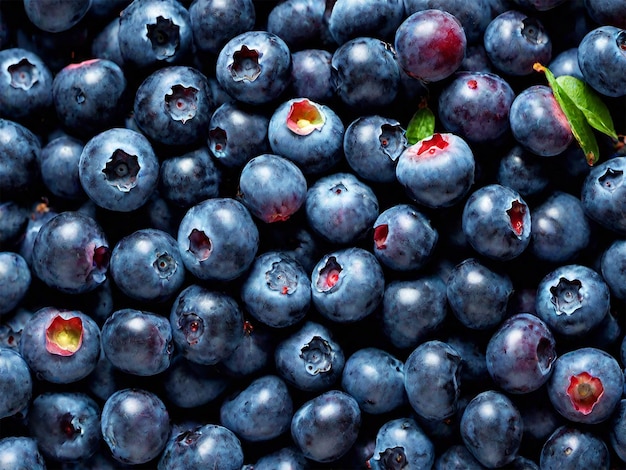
column 475, row 105
column 372, row 145
column 19, row 156
column 603, row 193
column 491, row 428
column 365, row 73
column 430, row 44
column 298, row 22
column 310, row 359
column 569, row 448
column 118, row 169
column 347, row 285
column 58, row 165
column 606, row 12
column 254, row 67
column 287, row 458
column 413, row 309
column 26, row 84
column 20, row 451
column 438, row 364
column 538, row 123
column 375, row 379
column 573, row 300
column 566, row 63
column 76, row 237
column 205, row 446
column 66, row 425
column 602, row 60
column 473, row 358
column 350, row 19
column 586, row 385
column 260, row 412
column 218, row 239
column 173, row 105
column 128, row 414
column 146, row 265
column 311, row 74
column 521, row 353
column 277, row 290
column 89, row 96
column 437, row 171
column 106, row 43
column 497, row 223
column 13, row 222
column 253, row 355
column 60, row 346
column 309, row 134
column 515, row 41
column 325, row 427
column 53, row 17
column 16, row 384
column 616, row 436
column 457, row 457
column 137, row 342
column 523, row 171
column 401, row 443
column 207, row 325
column 613, row 268
column 15, row 279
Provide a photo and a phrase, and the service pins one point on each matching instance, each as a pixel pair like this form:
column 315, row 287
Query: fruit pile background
column 311, row 234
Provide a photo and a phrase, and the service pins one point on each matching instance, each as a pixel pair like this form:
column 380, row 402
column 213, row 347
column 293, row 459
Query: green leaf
column 583, row 133
column 421, row 125
column 585, row 99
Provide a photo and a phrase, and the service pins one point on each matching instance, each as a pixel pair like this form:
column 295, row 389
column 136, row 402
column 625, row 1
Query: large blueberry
column 19, row 155
column 401, row 443
column 20, row 451
column 602, row 60
column 15, row 279
column 16, row 384
column 58, row 164
column 213, row 22
column 349, row 19
column 569, row 447
column 603, row 195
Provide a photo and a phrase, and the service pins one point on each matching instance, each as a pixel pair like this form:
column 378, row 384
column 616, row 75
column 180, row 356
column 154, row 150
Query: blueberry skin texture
column 514, row 42
column 15, row 279
column 254, row 354
column 189, row 385
column 404, row 239
column 146, row 265
column 413, row 309
column 311, row 75
column 538, row 123
column 173, row 105
column 190, row 178
column 207, row 326
column 613, row 268
column 19, row 156
column 438, row 364
column 523, row 171
column 130, row 413
column 341, row 208
column 58, row 165
column 457, row 457
column 71, row 253
column 207, row 446
column 616, row 432
column 118, row 169
column 602, row 60
column 586, row 385
column 347, row 285
column 402, row 441
column 66, row 425
column 372, row 145
column 13, row 222
column 310, row 359
column 603, row 195
column 569, row 448
column 298, row 22
column 106, row 43
column 607, row 12
column 478, row 295
column 327, row 426
column 315, row 148
column 25, row 84
column 266, row 199
column 475, row 106
column 491, row 428
column 213, row 23
column 16, row 384
column 497, row 223
column 51, row 365
column 16, row 451
column 573, row 300
column 365, row 72
column 277, row 290
column 375, row 379
column 254, row 67
column 237, row 133
column 350, row 19
column 89, row 96
column 560, row 229
column 154, row 33
column 54, row 17
column 137, row 342
column 260, row 412
column 218, row 239
column 520, row 354
column 430, row 45
column 437, row 171
column 287, row 458
column 566, row 63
